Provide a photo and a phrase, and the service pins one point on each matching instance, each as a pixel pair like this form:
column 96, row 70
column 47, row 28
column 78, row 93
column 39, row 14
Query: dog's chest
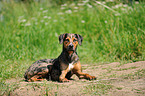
column 71, row 66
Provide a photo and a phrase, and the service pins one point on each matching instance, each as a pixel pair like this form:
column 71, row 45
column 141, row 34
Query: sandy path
column 126, row 79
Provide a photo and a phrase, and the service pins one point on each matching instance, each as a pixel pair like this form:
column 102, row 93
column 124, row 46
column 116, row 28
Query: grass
column 29, row 32
column 45, row 88
column 97, row 89
column 7, row 88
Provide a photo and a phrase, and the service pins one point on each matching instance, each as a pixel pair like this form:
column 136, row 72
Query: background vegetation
column 29, row 32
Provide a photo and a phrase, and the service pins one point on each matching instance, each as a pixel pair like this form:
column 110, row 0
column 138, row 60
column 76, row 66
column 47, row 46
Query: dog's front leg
column 64, row 70
column 77, row 70
column 62, row 76
column 82, row 75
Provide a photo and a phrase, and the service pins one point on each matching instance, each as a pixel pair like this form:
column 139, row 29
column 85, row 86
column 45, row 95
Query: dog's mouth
column 70, row 51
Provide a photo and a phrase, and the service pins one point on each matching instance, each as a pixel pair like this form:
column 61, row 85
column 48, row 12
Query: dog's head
column 70, row 41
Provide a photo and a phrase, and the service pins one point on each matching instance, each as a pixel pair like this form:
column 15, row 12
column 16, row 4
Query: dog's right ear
column 61, row 37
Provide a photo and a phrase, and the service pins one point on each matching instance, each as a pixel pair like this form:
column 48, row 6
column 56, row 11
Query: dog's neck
column 69, row 56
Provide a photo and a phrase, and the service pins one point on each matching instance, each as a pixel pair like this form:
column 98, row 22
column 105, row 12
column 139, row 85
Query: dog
column 62, row 68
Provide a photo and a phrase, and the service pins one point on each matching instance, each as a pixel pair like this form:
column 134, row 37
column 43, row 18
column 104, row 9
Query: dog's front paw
column 64, row 80
column 88, row 77
column 92, row 78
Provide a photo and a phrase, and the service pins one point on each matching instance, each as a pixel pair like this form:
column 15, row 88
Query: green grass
column 29, row 32
column 7, row 88
column 97, row 89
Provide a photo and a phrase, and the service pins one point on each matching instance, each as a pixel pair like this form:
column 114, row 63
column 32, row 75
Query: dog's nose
column 71, row 46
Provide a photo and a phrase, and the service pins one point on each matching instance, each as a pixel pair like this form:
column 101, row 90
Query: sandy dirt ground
column 125, row 79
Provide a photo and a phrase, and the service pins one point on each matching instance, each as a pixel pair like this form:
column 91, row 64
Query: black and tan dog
column 61, row 68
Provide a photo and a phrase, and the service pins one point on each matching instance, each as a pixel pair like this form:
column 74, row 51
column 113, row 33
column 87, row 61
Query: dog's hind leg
column 36, row 78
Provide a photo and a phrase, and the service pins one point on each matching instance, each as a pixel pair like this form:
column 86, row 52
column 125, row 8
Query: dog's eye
column 67, row 40
column 74, row 40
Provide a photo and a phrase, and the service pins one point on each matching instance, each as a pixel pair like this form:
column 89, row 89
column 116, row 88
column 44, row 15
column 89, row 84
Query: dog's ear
column 80, row 38
column 61, row 37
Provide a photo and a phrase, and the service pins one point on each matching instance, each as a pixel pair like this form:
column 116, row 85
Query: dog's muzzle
column 70, row 47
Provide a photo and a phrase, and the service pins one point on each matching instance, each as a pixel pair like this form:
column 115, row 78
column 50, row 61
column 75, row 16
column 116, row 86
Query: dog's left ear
column 80, row 38
column 61, row 37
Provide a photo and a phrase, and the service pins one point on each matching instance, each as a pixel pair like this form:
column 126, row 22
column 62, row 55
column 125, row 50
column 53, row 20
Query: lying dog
column 61, row 68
